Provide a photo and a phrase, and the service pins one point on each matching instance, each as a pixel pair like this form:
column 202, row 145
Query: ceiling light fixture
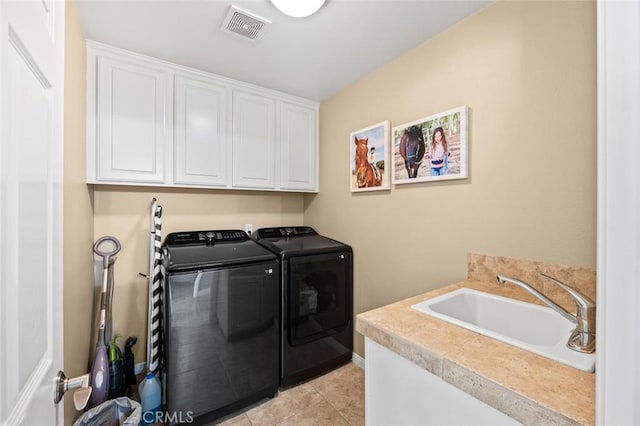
column 298, row 8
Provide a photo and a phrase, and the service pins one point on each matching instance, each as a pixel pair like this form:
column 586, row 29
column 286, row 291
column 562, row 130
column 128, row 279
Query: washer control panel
column 205, row 237
column 286, row 232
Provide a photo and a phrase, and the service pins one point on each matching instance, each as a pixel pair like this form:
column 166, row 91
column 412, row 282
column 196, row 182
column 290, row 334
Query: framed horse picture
column 433, row 148
column 369, row 158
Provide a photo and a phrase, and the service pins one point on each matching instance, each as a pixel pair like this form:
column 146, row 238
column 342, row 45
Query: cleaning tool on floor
column 129, row 365
column 151, row 399
column 150, row 388
column 100, row 369
column 156, row 279
column 117, row 384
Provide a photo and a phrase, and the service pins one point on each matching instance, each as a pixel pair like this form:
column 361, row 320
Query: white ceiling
column 313, row 57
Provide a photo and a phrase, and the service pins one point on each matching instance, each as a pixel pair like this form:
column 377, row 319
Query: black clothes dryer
column 316, row 302
column 221, row 323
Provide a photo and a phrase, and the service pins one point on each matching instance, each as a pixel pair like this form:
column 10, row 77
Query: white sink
column 535, row 328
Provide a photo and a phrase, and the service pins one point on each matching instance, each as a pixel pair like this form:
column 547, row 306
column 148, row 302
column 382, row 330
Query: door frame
column 618, row 226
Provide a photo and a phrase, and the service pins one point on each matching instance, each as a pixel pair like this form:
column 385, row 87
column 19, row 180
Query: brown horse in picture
column 366, row 175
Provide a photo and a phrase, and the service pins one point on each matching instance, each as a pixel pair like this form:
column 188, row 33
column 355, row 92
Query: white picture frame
column 369, row 159
column 428, row 160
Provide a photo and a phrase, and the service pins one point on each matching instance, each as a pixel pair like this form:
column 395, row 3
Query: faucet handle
column 580, row 299
column 583, row 338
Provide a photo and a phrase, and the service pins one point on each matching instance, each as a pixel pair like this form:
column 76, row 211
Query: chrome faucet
column 583, row 337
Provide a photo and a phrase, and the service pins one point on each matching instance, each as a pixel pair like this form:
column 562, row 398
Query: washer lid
column 286, row 232
column 185, row 251
column 296, row 240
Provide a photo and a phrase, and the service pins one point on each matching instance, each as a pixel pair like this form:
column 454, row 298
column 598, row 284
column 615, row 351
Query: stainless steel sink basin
column 535, row 328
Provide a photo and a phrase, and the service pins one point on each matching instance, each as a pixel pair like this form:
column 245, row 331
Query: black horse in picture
column 412, row 150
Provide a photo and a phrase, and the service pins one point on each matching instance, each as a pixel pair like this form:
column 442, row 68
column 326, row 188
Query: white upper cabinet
column 201, row 132
column 299, row 148
column 130, row 126
column 153, row 123
column 254, row 140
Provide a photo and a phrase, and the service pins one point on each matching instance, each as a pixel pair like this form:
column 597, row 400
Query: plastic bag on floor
column 115, row 412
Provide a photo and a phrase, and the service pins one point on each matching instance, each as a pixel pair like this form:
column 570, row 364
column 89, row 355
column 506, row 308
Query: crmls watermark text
column 151, row 417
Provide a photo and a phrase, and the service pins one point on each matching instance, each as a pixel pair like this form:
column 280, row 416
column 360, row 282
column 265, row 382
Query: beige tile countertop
column 532, row 389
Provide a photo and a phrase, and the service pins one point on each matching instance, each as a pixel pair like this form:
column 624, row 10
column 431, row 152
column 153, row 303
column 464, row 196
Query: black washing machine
column 221, row 327
column 316, row 302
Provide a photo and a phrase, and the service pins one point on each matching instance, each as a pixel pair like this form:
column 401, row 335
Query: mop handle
column 103, row 301
column 106, row 255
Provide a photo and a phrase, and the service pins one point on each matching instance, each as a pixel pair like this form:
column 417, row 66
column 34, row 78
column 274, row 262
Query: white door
column 31, row 105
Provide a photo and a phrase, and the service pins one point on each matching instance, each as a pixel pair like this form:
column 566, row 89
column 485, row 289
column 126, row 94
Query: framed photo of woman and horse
column 369, row 158
column 432, row 148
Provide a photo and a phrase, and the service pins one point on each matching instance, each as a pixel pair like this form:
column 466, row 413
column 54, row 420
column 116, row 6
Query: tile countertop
column 532, row 389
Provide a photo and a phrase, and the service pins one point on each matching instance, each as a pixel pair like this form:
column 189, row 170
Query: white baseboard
column 140, row 368
column 357, row 360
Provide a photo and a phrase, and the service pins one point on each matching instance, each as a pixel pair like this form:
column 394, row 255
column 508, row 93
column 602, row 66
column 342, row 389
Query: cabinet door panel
column 130, row 121
column 201, row 134
column 254, row 140
column 299, row 149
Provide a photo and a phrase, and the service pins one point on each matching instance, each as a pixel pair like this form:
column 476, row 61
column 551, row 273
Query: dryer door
column 319, row 293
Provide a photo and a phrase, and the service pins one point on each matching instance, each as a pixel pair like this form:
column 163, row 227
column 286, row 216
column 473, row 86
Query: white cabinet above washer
column 254, row 140
column 129, row 125
column 154, row 123
column 201, row 133
column 298, row 147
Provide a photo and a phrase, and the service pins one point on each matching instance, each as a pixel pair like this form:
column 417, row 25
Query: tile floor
column 334, row 399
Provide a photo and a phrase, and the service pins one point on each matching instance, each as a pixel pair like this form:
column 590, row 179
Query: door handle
column 62, row 384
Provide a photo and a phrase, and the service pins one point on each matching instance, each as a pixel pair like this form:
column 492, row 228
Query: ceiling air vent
column 245, row 24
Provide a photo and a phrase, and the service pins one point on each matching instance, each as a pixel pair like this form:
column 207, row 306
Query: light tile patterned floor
column 334, row 399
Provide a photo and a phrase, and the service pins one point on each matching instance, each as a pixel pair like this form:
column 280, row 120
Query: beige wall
column 527, row 72
column 125, row 214
column 78, row 210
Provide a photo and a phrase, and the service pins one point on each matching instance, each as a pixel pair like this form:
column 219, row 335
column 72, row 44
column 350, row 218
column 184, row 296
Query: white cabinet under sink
column 399, row 392
column 153, row 123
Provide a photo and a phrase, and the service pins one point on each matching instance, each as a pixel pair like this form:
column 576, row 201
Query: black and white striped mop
column 156, row 283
